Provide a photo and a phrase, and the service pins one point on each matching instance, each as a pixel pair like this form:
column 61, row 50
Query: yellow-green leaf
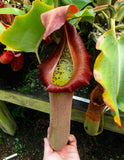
column 27, row 30
column 109, row 71
column 14, row 11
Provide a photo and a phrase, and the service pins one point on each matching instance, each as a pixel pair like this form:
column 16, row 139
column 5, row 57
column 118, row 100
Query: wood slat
column 43, row 106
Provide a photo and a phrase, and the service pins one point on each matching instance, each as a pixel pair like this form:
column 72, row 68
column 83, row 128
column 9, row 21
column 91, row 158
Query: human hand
column 68, row 152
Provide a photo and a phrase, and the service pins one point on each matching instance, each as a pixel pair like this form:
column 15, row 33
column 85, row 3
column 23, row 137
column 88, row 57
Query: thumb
column 47, row 149
column 72, row 140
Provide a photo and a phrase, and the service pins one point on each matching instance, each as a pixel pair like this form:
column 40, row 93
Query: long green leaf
column 14, row 11
column 109, row 71
column 27, row 30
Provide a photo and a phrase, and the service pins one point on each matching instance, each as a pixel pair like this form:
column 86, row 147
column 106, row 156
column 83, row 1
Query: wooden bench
column 42, row 104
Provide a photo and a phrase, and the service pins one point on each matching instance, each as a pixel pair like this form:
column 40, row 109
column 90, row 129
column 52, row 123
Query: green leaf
column 14, row 11
column 88, row 15
column 85, row 15
column 2, row 28
column 27, row 30
column 49, row 2
column 79, row 3
column 109, row 71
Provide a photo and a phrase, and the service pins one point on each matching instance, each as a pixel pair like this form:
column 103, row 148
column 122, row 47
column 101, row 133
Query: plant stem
column 99, row 28
column 106, row 16
column 60, row 116
column 120, row 26
column 100, row 8
column 38, row 58
column 107, row 8
column 102, row 2
column 7, row 123
column 55, row 3
column 113, row 24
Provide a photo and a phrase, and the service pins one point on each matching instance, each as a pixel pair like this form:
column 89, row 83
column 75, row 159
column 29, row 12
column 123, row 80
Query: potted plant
column 28, row 31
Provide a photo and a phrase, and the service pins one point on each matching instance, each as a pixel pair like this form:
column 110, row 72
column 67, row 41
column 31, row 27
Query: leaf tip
column 72, row 9
column 117, row 120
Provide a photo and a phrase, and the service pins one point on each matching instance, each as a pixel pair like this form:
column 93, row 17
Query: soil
column 32, row 128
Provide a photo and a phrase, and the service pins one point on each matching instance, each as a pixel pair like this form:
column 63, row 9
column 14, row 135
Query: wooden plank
column 40, row 105
column 25, row 101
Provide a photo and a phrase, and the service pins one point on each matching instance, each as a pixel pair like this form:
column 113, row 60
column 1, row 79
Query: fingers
column 47, row 149
column 72, row 140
